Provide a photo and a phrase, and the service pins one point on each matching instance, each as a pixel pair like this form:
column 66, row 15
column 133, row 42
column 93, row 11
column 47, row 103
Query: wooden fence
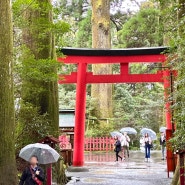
column 91, row 144
column 99, row 144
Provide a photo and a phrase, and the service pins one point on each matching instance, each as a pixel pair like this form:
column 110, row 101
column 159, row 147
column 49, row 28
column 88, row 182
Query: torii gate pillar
column 167, row 89
column 78, row 159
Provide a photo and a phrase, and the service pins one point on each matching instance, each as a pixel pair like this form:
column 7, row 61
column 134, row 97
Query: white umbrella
column 129, row 130
column 44, row 153
column 162, row 129
column 116, row 133
column 150, row 132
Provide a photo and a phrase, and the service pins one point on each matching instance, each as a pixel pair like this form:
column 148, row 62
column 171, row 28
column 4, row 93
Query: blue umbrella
column 162, row 129
column 129, row 130
column 150, row 132
column 116, row 133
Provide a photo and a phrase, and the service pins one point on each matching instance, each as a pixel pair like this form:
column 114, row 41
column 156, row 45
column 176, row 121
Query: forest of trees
column 30, row 34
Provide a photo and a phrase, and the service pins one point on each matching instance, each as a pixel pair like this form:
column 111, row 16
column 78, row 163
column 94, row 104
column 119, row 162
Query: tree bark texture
column 176, row 175
column 101, row 39
column 8, row 171
column 40, row 41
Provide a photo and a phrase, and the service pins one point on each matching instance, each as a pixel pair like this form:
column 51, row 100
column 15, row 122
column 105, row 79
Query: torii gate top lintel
column 113, row 56
column 98, row 56
column 114, row 52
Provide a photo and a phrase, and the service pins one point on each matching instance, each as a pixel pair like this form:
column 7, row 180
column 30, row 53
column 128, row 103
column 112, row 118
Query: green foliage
column 38, row 70
column 84, row 34
column 141, row 30
column 138, row 105
column 174, row 32
column 32, row 75
column 99, row 130
column 67, row 98
column 31, row 126
column 59, row 169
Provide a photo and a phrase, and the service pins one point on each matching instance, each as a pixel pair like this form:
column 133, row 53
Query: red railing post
column 90, row 139
column 107, row 144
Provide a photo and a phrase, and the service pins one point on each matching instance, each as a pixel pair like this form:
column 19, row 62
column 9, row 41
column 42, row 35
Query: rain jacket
column 117, row 146
column 26, row 178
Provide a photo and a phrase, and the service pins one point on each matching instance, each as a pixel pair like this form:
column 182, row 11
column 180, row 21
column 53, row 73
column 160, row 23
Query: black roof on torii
column 114, row 52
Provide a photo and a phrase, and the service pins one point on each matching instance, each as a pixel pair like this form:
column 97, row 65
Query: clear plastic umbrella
column 150, row 132
column 116, row 133
column 44, row 153
column 162, row 129
column 129, row 130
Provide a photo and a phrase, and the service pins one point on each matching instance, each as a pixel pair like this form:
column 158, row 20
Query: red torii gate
column 83, row 57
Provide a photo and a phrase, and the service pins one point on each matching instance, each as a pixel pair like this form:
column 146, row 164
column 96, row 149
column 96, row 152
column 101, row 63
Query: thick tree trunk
column 40, row 41
column 176, row 175
column 8, row 171
column 101, row 39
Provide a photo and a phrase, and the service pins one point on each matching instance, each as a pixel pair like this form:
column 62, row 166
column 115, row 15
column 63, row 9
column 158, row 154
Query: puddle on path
column 94, row 180
column 104, row 172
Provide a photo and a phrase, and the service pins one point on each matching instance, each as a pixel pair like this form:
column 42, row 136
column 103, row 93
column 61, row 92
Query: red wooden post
column 124, row 68
column 97, row 143
column 101, row 139
column 93, row 143
column 90, row 144
column 103, row 143
column 167, row 87
column 78, row 157
column 106, row 144
column 49, row 175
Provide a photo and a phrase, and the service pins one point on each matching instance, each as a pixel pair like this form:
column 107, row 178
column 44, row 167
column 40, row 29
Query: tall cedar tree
column 101, row 39
column 8, row 170
column 40, row 41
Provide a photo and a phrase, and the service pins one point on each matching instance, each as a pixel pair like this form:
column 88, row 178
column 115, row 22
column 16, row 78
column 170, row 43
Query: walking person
column 147, row 142
column 125, row 139
column 162, row 143
column 33, row 174
column 117, row 148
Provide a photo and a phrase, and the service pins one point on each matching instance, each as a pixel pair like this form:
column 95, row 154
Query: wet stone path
column 103, row 170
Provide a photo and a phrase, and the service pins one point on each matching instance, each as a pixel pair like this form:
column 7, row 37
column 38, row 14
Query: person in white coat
column 125, row 140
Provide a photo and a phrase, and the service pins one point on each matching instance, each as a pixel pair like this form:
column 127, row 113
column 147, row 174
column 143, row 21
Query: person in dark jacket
column 32, row 173
column 117, row 148
column 163, row 144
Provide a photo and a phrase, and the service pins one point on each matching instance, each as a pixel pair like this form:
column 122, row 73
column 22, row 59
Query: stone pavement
column 103, row 170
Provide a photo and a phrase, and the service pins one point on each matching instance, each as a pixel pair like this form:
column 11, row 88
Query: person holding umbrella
column 147, row 142
column 117, row 148
column 32, row 175
column 162, row 143
column 125, row 139
column 34, row 153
